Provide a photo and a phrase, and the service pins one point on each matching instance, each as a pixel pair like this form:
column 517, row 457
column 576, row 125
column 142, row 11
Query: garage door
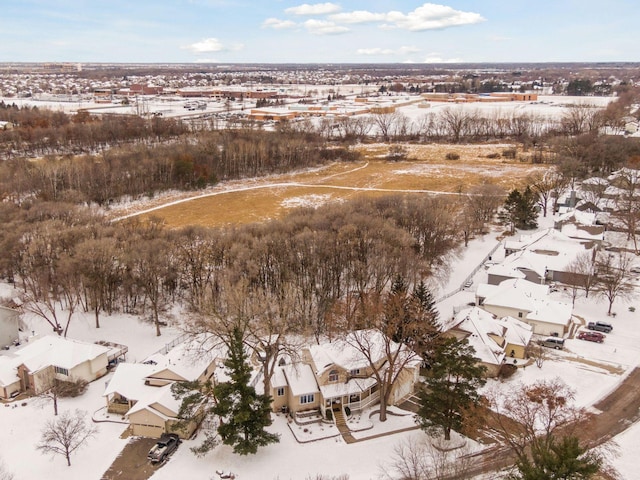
column 152, row 431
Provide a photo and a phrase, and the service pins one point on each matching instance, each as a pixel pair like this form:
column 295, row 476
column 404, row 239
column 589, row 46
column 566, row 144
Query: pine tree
column 559, row 460
column 451, row 387
column 244, row 414
column 519, row 210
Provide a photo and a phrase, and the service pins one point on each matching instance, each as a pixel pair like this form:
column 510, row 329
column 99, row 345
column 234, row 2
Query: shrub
column 509, row 153
column 452, row 156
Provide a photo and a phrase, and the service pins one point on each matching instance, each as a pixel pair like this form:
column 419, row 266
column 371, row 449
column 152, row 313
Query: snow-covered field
column 291, row 459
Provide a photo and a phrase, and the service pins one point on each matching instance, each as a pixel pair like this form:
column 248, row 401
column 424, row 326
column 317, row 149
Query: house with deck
column 337, row 374
column 31, row 368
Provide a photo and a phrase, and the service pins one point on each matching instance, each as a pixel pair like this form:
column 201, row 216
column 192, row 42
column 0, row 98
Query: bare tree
column 65, row 434
column 530, row 416
column 628, row 203
column 538, row 353
column 423, row 459
column 370, row 329
column 612, row 277
column 580, row 274
column 545, row 185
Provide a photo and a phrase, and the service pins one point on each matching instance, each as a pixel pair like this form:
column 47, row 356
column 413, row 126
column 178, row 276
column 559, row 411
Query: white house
column 31, row 368
column 528, row 302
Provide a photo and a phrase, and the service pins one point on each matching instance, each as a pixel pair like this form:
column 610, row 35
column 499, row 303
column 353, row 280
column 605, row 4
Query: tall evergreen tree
column 451, row 387
column 519, row 210
column 562, row 459
column 243, row 413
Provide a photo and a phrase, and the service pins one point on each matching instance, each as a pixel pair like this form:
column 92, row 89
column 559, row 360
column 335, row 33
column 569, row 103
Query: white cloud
column 359, row 16
column 278, row 24
column 387, row 51
column 212, row 45
column 315, row 9
column 206, row 45
column 375, row 51
column 436, row 58
column 323, row 27
column 429, row 16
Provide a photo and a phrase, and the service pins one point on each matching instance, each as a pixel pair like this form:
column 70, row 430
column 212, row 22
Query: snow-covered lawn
column 592, row 369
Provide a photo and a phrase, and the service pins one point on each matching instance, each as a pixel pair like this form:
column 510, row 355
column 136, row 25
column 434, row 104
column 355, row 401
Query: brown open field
column 424, row 171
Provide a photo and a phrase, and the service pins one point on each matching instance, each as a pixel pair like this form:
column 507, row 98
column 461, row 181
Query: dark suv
column 600, row 326
column 163, row 448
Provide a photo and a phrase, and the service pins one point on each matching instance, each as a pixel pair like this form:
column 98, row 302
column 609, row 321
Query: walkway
column 341, row 423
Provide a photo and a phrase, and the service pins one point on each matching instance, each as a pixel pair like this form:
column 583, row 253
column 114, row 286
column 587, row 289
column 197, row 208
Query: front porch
column 356, row 394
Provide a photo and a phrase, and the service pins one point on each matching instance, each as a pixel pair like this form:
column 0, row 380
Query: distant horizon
column 345, row 32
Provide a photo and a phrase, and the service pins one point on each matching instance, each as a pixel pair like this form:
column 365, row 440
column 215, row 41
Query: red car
column 592, row 336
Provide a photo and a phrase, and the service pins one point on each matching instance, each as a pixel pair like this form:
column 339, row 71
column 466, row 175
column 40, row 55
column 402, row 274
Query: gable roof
column 158, row 396
column 187, row 360
column 128, row 381
column 527, row 297
column 343, row 353
column 59, row 351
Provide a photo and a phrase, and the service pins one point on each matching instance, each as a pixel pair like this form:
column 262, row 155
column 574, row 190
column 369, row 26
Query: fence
column 467, row 281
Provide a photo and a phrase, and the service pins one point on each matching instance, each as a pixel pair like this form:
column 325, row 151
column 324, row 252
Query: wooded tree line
column 145, row 169
column 38, row 132
column 62, row 256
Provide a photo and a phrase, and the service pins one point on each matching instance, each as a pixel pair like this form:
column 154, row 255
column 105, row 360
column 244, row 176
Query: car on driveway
column 553, row 342
column 599, row 326
column 592, row 336
column 164, row 447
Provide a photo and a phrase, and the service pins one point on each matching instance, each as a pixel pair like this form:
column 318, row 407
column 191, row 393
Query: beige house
column 157, row 414
column 496, row 341
column 335, row 375
column 31, row 368
column 141, row 392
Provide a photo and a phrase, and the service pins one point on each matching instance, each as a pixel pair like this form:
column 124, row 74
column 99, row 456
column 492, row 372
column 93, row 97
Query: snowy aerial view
column 319, row 241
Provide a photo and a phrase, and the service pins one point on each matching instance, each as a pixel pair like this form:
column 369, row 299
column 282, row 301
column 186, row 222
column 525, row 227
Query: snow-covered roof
column 187, row 360
column 352, row 387
column 128, row 381
column 300, row 378
column 527, row 297
column 343, row 352
column 159, row 396
column 513, row 293
column 58, row 351
column 480, row 324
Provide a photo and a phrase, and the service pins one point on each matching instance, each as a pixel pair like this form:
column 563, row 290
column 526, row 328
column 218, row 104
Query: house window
column 280, row 391
column 519, row 314
column 333, row 376
column 355, row 371
column 309, row 398
column 62, row 371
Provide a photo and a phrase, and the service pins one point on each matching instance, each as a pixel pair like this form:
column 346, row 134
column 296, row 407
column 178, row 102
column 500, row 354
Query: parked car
column 553, row 342
column 592, row 336
column 167, row 444
column 600, row 326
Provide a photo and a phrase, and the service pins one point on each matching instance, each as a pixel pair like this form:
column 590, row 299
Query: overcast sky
column 349, row 31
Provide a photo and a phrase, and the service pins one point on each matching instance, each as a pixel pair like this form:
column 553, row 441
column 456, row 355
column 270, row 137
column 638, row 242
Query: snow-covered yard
column 592, row 369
